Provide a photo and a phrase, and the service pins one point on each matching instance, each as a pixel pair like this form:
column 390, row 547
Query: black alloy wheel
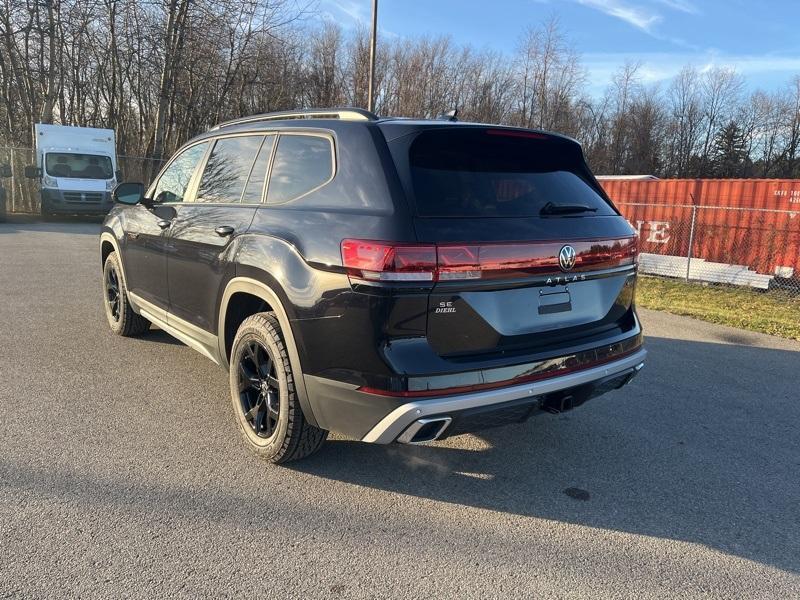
column 113, row 293
column 263, row 393
column 259, row 389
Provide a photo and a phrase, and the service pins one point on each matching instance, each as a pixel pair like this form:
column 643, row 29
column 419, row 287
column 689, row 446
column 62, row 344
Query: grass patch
column 773, row 312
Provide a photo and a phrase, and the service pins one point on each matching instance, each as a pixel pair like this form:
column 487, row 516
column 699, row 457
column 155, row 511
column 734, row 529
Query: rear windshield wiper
column 565, row 209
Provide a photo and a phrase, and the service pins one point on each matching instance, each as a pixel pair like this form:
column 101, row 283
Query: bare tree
column 720, row 88
column 623, row 91
column 684, row 104
column 161, row 71
column 549, row 77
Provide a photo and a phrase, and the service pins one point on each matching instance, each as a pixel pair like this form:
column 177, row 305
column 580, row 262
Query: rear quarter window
column 497, row 173
column 302, row 163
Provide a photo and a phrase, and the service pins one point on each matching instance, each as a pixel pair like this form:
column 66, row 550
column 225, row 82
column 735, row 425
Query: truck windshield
column 475, row 172
column 78, row 166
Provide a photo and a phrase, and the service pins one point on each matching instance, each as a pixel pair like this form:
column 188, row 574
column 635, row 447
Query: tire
column 261, row 376
column 121, row 317
column 44, row 213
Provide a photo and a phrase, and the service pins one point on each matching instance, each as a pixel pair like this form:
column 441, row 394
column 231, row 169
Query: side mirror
column 32, row 172
column 128, row 193
column 5, row 171
column 118, row 175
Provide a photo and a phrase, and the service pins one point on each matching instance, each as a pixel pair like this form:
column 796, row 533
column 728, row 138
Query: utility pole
column 372, row 43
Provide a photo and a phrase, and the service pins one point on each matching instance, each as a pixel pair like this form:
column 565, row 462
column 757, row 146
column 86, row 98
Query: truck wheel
column 263, row 394
column 121, row 318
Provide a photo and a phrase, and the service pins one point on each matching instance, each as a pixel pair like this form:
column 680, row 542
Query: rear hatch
column 530, row 253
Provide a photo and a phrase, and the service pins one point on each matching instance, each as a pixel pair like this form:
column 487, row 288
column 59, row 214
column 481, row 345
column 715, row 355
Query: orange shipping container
column 750, row 222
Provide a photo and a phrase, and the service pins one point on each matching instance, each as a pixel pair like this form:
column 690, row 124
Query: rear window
column 497, row 173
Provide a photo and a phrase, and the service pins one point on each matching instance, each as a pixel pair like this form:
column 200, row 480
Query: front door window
column 174, row 181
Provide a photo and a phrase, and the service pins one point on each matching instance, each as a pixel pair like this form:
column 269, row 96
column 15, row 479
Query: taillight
column 383, row 261
column 380, row 261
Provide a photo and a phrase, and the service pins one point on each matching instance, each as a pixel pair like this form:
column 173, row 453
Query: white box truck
column 76, row 167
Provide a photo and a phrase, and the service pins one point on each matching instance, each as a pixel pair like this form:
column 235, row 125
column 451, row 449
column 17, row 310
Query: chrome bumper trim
column 394, row 424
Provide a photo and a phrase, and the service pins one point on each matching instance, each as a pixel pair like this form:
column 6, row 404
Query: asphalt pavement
column 122, row 473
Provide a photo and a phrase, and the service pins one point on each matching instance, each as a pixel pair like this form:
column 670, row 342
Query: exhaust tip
column 423, row 431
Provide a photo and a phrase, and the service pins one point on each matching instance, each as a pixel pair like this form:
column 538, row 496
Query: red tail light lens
column 379, row 261
column 459, row 262
column 382, row 261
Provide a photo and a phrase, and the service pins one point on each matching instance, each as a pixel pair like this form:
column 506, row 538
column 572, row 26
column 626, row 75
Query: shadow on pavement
column 84, row 224
column 702, row 447
column 160, row 336
column 706, row 456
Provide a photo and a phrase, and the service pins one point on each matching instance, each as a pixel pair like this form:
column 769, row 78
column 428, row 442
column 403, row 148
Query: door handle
column 164, row 223
column 224, row 230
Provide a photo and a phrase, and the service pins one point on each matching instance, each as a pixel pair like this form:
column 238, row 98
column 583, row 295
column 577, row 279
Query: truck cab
column 76, row 168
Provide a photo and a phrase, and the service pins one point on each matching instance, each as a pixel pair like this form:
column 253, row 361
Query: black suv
column 390, row 279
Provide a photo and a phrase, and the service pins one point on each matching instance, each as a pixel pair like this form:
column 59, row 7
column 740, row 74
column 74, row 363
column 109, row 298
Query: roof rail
column 345, row 114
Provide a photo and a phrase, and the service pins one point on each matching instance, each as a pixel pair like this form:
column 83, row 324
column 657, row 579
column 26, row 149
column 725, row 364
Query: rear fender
column 108, row 236
column 261, row 290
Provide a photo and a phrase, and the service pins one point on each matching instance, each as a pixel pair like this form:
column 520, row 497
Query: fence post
column 13, row 184
column 691, row 241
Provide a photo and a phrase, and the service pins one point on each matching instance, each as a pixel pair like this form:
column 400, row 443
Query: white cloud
column 658, row 67
column 356, row 12
column 644, row 16
column 639, row 16
column 681, row 5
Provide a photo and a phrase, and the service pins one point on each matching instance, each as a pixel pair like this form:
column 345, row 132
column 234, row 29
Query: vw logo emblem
column 566, row 258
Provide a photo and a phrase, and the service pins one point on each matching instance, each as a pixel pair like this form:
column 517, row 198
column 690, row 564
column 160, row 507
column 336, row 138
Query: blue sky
column 761, row 39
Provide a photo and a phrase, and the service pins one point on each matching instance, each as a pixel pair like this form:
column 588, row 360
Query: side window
column 258, row 175
column 172, row 184
column 302, row 163
column 228, row 168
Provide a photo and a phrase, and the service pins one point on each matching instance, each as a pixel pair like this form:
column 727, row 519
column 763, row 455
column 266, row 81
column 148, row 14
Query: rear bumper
column 344, row 408
column 393, row 425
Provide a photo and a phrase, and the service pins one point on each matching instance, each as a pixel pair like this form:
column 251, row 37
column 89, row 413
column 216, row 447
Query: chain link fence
column 753, row 247
column 22, row 194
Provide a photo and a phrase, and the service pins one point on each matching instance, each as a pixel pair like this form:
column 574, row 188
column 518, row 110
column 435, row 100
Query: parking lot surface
column 122, row 473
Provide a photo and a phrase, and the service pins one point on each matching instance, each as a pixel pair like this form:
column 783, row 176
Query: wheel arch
column 109, row 244
column 246, row 287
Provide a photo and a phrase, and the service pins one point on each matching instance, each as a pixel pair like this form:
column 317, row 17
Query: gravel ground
column 121, row 473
